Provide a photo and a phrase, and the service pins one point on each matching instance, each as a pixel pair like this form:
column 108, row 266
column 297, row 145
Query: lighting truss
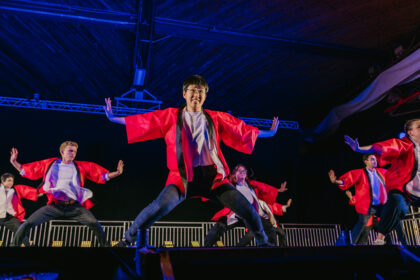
column 267, row 123
column 121, row 111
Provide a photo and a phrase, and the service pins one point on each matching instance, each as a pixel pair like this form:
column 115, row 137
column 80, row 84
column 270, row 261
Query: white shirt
column 413, row 186
column 204, row 149
column 6, row 197
column 62, row 181
column 376, row 184
column 251, row 196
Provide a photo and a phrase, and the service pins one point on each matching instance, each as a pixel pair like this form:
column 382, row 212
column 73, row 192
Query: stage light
column 401, row 135
column 113, row 243
column 57, row 243
column 168, row 244
column 86, row 244
column 1, row 242
column 220, row 244
column 139, row 77
column 195, row 244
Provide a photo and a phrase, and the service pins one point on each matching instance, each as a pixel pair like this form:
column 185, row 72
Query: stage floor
column 333, row 262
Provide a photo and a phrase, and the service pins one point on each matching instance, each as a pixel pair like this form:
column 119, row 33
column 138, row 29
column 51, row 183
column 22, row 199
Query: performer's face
column 414, row 132
column 241, row 174
column 8, row 183
column 195, row 95
column 69, row 153
column 371, row 162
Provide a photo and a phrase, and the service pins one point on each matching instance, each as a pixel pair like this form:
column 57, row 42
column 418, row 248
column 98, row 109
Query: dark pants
column 217, row 230
column 57, row 211
column 360, row 228
column 12, row 224
column 360, row 232
column 221, row 227
column 268, row 229
column 395, row 209
column 201, row 185
column 282, row 236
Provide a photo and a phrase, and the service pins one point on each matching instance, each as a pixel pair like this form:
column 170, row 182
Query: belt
column 67, row 202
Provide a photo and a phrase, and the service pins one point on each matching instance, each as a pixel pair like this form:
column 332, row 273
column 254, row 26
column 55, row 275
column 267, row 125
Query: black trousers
column 203, row 179
column 12, row 224
column 269, row 230
column 50, row 212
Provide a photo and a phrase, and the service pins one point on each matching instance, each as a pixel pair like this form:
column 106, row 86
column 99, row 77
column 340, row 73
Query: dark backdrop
column 37, row 134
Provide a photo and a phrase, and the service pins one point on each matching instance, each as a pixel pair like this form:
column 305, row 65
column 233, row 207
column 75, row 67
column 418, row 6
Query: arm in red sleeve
column 350, row 178
column 36, row 169
column 265, row 192
column 146, row 126
column 93, row 171
column 236, row 134
column 27, row 192
column 277, row 209
column 390, row 149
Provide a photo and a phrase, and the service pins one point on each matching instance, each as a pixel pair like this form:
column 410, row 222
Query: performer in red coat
column 194, row 158
column 63, row 182
column 262, row 197
column 11, row 208
column 402, row 178
column 370, row 196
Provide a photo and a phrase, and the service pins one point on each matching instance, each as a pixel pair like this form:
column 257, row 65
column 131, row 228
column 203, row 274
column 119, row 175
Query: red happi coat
column 85, row 170
column 264, row 192
column 370, row 221
column 26, row 192
column 400, row 154
column 168, row 124
column 363, row 197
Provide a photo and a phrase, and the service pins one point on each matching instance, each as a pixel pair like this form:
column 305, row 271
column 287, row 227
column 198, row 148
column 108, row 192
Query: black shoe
column 123, row 243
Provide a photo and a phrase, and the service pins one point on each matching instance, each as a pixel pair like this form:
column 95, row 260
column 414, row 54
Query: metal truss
column 67, row 106
column 268, row 123
column 36, row 103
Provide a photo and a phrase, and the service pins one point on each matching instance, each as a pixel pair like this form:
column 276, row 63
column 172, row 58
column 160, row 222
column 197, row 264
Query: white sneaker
column 379, row 242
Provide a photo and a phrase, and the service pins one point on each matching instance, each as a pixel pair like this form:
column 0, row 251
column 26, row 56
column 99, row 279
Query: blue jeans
column 226, row 194
column 50, row 212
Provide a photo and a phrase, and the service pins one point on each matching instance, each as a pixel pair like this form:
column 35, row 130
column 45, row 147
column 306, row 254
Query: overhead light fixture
column 139, row 77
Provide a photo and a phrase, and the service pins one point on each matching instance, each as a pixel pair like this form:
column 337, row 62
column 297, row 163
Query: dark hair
column 7, row 175
column 249, row 174
column 232, row 175
column 366, row 156
column 195, row 80
column 408, row 124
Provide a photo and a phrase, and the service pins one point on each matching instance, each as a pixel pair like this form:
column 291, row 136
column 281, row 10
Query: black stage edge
column 335, row 262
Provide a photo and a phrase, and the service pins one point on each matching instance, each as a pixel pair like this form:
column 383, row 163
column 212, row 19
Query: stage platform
column 329, row 262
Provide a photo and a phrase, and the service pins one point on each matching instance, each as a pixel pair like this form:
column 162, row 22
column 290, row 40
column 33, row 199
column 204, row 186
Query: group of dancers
column 385, row 193
column 197, row 168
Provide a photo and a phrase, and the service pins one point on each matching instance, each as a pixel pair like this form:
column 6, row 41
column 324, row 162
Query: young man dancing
column 402, row 178
column 197, row 167
column 63, row 182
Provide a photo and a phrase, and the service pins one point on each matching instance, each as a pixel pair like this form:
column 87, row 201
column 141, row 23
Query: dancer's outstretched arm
column 118, row 172
column 110, row 115
column 333, row 178
column 272, row 131
column 354, row 145
column 13, row 159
